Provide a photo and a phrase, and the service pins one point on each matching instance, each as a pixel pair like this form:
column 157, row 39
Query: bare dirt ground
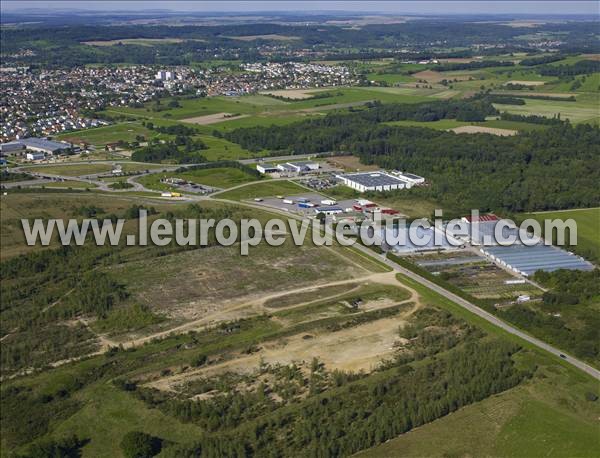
column 484, row 130
column 525, row 83
column 213, row 118
column 354, row 349
column 350, row 163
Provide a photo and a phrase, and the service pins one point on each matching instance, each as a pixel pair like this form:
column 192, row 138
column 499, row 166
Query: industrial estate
column 443, row 135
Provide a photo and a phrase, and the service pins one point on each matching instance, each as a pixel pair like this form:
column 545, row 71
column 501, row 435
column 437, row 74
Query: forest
column 531, row 171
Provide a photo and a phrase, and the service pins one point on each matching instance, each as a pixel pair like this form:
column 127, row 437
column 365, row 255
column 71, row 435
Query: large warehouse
column 526, row 260
column 373, row 181
column 40, row 145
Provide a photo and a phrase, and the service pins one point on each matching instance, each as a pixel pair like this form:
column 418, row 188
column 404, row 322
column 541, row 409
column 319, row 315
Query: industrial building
column 40, row 145
column 481, row 229
column 297, row 168
column 373, row 181
column 526, row 260
column 266, row 169
column 410, row 178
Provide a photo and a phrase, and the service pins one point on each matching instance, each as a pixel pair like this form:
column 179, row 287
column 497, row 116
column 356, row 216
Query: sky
column 396, row 7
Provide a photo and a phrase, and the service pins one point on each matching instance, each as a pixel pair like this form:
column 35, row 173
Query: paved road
column 485, row 315
column 460, row 301
column 423, row 281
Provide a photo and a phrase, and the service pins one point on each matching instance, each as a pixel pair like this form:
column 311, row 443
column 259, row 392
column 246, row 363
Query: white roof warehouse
column 41, row 145
column 375, row 181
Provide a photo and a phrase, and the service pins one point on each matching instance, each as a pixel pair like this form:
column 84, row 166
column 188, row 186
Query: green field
column 584, row 110
column 264, row 189
column 446, row 124
column 126, row 131
column 218, row 177
column 71, row 170
column 588, row 228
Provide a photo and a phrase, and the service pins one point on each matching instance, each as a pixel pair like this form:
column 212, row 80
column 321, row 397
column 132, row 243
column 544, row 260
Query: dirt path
column 256, row 304
column 357, row 348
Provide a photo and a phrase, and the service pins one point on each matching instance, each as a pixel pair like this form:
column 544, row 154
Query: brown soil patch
column 484, row 130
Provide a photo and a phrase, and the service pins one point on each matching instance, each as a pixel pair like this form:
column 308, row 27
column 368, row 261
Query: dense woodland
column 531, row 171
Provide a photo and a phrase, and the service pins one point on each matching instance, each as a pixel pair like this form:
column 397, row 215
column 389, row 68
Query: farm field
column 584, row 110
column 588, row 228
column 476, row 276
column 135, row 41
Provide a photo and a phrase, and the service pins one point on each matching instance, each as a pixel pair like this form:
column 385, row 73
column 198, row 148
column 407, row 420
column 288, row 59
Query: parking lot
column 312, row 198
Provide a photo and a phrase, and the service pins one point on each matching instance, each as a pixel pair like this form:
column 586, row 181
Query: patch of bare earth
column 525, row 83
column 484, row 130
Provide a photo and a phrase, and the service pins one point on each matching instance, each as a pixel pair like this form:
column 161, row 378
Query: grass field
column 126, row 131
column 584, row 110
column 72, row 170
column 263, row 189
column 46, row 205
column 588, row 227
column 218, row 178
column 548, row 416
column 447, row 124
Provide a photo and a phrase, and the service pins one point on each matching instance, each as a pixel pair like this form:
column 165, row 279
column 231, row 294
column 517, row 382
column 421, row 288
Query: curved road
column 410, row 274
column 461, row 302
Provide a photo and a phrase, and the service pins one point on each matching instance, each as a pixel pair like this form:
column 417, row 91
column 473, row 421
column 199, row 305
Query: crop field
column 134, row 41
column 269, row 106
column 476, row 276
column 584, row 110
column 588, row 228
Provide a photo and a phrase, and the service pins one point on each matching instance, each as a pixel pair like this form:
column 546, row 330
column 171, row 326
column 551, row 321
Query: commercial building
column 526, row 260
column 40, row 145
column 266, row 168
column 372, row 181
column 35, row 156
column 297, row 168
column 410, row 178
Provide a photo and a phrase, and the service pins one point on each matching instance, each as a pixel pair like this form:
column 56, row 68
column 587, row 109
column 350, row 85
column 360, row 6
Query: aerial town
column 240, row 230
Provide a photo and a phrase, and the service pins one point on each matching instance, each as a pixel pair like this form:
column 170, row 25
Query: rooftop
column 370, row 179
column 43, row 143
